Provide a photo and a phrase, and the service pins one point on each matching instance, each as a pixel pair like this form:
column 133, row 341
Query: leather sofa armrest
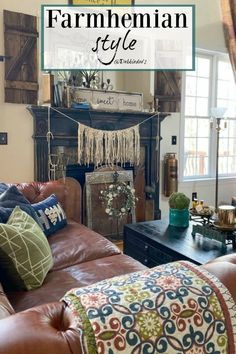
column 224, row 268
column 49, row 328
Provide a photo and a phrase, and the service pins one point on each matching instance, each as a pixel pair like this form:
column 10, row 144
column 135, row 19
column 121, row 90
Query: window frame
column 214, row 58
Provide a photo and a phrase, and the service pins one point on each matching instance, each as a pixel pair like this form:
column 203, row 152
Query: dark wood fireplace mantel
column 65, row 133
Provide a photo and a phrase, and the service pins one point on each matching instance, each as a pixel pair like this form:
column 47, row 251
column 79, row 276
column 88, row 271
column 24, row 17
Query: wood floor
column 120, row 245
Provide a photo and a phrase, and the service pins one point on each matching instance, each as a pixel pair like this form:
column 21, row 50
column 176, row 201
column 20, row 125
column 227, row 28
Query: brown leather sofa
column 43, row 324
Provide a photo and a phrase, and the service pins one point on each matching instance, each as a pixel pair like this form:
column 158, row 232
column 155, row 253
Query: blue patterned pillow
column 50, row 215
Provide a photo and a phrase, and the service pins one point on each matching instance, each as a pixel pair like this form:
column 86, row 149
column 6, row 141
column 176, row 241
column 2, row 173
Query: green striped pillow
column 25, row 255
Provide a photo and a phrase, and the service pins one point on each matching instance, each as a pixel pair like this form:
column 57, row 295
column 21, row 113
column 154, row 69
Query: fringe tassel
column 108, row 147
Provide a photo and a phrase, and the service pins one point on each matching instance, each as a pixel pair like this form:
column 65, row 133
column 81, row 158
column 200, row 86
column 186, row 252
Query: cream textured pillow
column 25, row 255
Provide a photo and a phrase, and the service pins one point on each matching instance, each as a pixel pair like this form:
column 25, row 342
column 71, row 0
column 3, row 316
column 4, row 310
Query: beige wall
column 16, row 158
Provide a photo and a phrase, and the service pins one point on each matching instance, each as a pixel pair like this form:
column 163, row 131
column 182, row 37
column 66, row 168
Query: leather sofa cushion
column 75, row 243
column 67, row 191
column 59, row 282
column 5, row 306
column 224, row 268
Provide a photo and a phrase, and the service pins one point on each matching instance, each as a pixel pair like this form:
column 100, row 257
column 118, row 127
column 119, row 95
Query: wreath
column 119, row 199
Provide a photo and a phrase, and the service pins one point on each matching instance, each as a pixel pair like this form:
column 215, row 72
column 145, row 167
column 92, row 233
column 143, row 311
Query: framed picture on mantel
column 101, row 2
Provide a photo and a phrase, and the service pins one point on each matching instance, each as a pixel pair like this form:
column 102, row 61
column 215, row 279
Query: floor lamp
column 217, row 113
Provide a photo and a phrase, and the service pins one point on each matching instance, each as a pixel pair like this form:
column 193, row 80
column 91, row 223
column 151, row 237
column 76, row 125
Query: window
column 211, row 85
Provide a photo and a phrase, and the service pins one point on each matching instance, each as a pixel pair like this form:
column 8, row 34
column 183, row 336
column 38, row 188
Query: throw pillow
column 50, row 214
column 9, row 199
column 3, row 187
column 25, row 255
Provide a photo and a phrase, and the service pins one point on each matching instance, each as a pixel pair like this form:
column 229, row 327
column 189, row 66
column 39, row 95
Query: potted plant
column 179, row 210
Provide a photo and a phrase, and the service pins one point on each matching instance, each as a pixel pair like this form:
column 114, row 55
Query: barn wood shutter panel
column 168, row 90
column 21, row 70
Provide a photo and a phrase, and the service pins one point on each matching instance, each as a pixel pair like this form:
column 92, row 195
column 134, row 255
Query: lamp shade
column 218, row 112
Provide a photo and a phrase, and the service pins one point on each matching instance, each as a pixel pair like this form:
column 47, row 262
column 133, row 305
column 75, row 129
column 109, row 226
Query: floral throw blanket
column 172, row 309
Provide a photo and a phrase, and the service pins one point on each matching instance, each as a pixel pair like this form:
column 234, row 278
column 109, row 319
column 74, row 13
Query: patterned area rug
column 171, row 309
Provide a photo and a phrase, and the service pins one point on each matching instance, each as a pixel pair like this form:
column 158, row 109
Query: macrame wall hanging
column 101, row 147
column 108, row 147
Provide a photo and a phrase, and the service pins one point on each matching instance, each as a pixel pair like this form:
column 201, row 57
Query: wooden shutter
column 21, row 71
column 168, row 90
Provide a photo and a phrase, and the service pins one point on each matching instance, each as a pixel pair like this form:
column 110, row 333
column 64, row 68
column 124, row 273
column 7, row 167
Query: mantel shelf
column 97, row 111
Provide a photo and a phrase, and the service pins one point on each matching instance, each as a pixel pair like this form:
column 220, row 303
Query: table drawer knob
column 146, row 247
column 145, row 261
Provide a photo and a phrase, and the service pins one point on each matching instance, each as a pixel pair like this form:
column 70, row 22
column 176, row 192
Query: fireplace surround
column 64, row 144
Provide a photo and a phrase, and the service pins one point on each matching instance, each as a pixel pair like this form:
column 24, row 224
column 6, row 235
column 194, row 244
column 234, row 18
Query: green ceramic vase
column 179, row 218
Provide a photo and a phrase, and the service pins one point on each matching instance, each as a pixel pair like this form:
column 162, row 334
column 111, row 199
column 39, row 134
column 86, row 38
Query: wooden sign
column 107, row 100
column 21, row 70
